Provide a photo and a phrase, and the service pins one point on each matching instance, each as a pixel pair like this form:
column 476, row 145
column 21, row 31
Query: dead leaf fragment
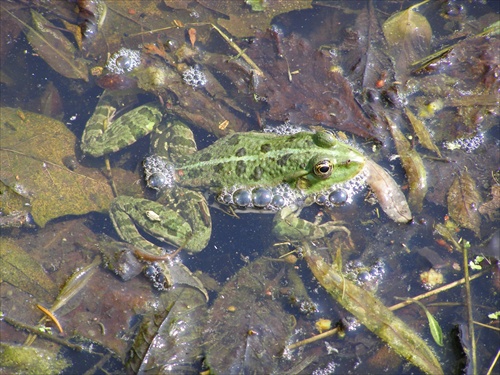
column 491, row 207
column 192, row 36
column 463, row 202
column 422, row 133
column 413, row 165
column 388, row 193
column 55, row 49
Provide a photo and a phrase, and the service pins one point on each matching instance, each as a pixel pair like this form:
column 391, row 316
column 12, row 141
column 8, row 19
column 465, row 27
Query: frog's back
column 258, row 159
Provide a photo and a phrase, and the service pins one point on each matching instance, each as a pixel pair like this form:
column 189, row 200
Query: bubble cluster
column 466, row 144
column 329, row 369
column 158, row 172
column 343, row 193
column 125, row 60
column 194, row 77
column 155, row 274
column 368, row 277
column 260, row 197
column 284, row 129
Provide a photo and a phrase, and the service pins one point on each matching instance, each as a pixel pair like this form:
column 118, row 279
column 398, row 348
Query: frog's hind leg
column 103, row 136
column 128, row 213
column 288, row 226
column 173, row 140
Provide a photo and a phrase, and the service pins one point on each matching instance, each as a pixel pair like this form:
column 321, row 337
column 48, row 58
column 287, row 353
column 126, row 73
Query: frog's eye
column 323, row 169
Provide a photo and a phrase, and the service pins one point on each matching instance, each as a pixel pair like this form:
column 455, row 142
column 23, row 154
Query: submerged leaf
column 407, row 26
column 21, row 270
column 171, row 338
column 414, row 167
column 435, row 328
column 54, row 47
column 409, row 34
column 463, row 202
column 389, row 194
column 246, row 332
column 243, row 19
column 373, row 315
column 33, row 152
column 492, row 207
column 421, row 131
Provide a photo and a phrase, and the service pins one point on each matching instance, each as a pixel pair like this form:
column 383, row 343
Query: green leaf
column 474, row 266
column 257, row 5
column 435, row 328
column 495, row 315
column 372, row 313
column 32, row 161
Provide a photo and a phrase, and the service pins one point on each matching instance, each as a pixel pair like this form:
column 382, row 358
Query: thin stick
column 436, row 291
column 240, row 51
column 110, row 176
column 313, row 338
column 470, row 318
column 493, row 364
column 37, row 332
column 486, row 326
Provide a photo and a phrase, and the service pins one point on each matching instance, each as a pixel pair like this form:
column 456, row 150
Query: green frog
column 252, row 171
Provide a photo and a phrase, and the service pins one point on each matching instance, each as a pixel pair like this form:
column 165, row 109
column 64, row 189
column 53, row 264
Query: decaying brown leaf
column 55, row 49
column 315, row 93
column 388, row 193
column 243, row 21
column 192, row 36
column 422, row 133
column 463, row 202
column 491, row 207
column 413, row 165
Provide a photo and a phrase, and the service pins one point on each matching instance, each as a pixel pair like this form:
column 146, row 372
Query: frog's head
column 332, row 162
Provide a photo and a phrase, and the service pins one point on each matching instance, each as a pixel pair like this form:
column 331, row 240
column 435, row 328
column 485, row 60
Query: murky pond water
column 356, row 284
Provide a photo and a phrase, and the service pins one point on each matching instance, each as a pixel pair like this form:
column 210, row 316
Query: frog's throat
column 158, row 172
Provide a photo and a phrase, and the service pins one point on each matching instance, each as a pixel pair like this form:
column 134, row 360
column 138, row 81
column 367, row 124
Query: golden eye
column 323, row 169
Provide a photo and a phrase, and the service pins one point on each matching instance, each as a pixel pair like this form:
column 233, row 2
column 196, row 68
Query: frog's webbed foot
column 176, row 272
column 185, row 223
column 288, row 226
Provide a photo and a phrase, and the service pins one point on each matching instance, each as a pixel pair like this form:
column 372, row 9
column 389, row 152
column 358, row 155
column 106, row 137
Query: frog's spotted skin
column 264, row 160
column 102, row 135
column 298, row 168
column 265, row 170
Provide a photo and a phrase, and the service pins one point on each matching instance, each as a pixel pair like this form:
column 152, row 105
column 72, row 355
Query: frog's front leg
column 181, row 218
column 288, row 226
column 102, row 135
